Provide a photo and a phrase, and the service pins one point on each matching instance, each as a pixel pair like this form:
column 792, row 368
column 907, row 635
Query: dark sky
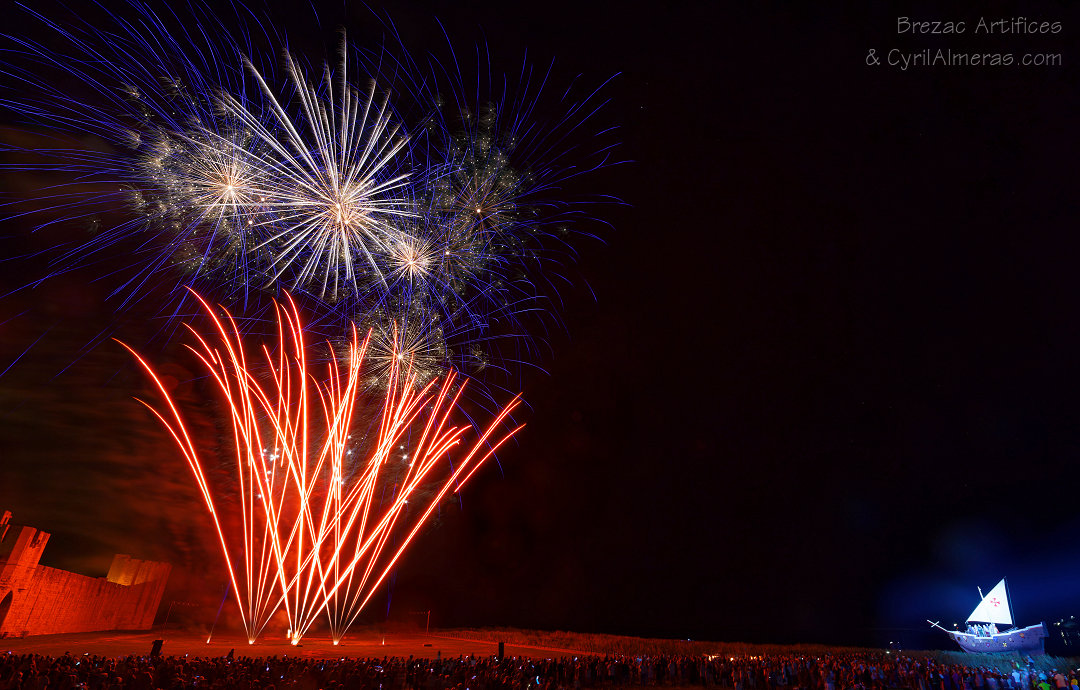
column 828, row 384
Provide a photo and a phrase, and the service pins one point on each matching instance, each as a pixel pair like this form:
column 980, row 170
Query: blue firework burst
column 375, row 189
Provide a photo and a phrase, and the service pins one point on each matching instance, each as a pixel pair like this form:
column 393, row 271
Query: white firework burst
column 335, row 180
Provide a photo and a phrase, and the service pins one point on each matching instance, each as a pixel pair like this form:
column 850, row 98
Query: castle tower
column 20, row 550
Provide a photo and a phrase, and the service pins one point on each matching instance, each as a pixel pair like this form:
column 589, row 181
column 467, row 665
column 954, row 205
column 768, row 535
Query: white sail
column 994, row 608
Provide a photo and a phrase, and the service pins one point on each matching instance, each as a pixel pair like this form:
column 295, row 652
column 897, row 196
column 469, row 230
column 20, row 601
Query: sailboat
column 983, row 635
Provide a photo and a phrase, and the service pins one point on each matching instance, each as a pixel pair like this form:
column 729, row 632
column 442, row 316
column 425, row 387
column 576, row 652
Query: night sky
column 828, row 384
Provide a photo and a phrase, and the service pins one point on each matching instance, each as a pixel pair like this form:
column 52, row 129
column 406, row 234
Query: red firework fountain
column 315, row 532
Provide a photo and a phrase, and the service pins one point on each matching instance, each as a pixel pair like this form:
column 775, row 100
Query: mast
column 1008, row 602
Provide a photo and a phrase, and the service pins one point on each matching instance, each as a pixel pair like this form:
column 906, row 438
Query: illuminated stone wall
column 38, row 600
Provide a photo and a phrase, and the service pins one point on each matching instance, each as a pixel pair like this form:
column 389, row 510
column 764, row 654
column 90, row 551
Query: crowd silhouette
column 852, row 671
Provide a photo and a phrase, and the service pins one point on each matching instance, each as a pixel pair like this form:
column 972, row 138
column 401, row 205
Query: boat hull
column 1029, row 639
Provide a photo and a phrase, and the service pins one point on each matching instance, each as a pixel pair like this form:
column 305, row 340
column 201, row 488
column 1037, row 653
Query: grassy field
column 379, row 642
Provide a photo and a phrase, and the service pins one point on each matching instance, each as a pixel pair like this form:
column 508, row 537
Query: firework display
column 417, row 220
column 371, row 188
column 325, row 507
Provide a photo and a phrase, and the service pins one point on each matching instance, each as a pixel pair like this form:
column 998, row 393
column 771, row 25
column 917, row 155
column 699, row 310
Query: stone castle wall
column 39, row 600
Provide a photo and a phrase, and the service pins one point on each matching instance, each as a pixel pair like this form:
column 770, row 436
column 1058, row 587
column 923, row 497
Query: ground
column 363, row 643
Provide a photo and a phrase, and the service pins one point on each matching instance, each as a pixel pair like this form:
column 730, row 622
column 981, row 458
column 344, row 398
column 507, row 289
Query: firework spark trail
column 315, row 537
